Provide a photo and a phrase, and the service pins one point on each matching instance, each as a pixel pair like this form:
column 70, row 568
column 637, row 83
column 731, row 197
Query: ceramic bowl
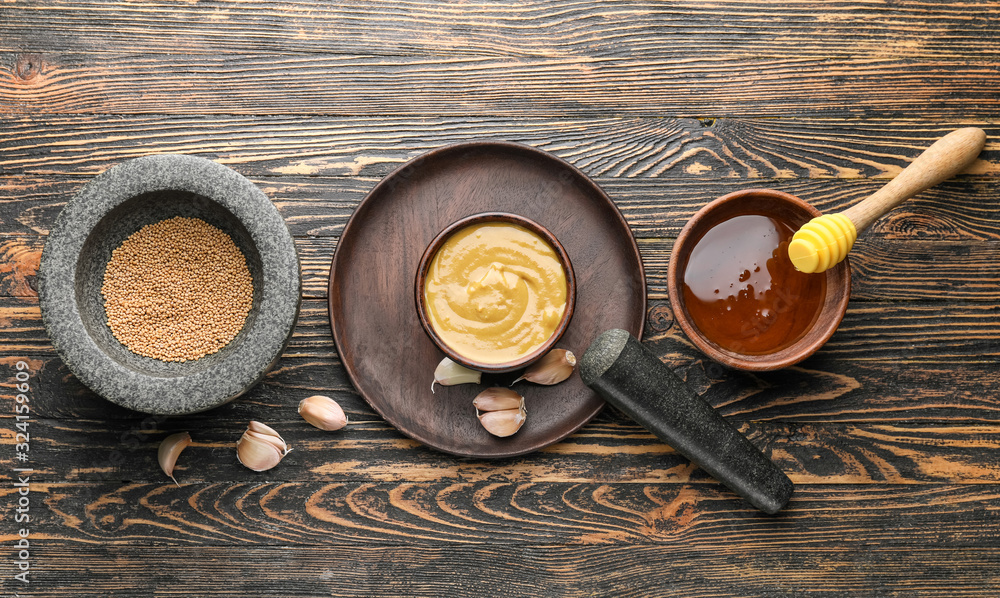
column 795, row 212
column 118, row 203
column 428, row 256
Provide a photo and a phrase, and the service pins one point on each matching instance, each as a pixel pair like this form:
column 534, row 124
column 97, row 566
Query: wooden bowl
column 428, row 257
column 795, row 212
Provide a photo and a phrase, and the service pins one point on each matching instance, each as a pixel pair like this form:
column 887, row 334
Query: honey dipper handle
column 944, row 159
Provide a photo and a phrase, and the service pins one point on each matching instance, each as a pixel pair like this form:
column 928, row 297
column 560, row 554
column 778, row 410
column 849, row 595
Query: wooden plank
column 19, row 262
column 914, row 331
column 891, row 432
column 920, row 362
column 567, row 87
column 611, row 449
column 883, row 269
column 272, row 513
column 611, row 148
column 56, row 393
column 959, row 211
column 506, row 570
column 819, row 390
column 946, row 29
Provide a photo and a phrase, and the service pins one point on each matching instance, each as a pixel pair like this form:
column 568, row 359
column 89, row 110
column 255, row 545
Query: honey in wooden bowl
column 734, row 291
column 742, row 291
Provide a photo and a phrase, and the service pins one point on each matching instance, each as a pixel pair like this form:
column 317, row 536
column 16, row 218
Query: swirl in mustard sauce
column 495, row 292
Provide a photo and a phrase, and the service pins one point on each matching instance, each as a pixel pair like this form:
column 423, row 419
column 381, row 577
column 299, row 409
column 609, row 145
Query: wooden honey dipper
column 824, row 241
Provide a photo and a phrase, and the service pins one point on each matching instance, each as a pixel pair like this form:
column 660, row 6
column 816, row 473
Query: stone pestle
column 630, row 377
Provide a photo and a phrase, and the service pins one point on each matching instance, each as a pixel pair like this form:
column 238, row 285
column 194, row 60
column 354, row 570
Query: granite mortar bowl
column 482, row 218
column 118, row 203
column 793, row 211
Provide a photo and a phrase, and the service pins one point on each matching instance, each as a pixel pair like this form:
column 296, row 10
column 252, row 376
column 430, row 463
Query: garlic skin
column 268, row 433
column 556, row 366
column 322, row 412
column 449, row 373
column 500, row 411
column 170, row 449
column 497, row 399
column 260, row 448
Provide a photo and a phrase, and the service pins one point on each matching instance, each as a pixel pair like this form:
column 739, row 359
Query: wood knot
column 28, row 66
column 19, row 263
column 660, row 318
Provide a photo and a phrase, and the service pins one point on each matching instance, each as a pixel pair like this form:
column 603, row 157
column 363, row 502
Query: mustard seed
column 177, row 290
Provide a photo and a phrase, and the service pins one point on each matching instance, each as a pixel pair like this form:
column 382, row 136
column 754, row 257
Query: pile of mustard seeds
column 177, row 290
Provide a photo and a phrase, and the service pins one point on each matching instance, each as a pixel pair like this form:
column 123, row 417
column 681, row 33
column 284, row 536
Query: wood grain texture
column 884, row 269
column 957, row 211
column 506, row 570
column 603, row 147
column 913, row 331
column 908, row 29
column 945, row 390
column 567, row 87
column 284, row 513
column 610, row 450
column 921, row 362
column 891, row 432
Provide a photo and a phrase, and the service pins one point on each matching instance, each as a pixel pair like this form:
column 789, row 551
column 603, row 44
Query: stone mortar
column 116, row 204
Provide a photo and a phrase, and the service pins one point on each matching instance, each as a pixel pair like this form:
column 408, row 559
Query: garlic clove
column 449, row 373
column 322, row 412
column 256, row 426
column 169, row 450
column 276, row 443
column 498, row 399
column 503, row 423
column 500, row 410
column 267, row 433
column 556, row 366
column 260, row 448
column 257, row 455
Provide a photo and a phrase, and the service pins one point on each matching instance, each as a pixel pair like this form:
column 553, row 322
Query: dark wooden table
column 891, row 433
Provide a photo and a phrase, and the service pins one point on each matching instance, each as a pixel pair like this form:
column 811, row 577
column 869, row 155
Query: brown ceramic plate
column 381, row 343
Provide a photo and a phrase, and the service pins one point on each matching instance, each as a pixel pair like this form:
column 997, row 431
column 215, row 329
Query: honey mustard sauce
column 495, row 292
